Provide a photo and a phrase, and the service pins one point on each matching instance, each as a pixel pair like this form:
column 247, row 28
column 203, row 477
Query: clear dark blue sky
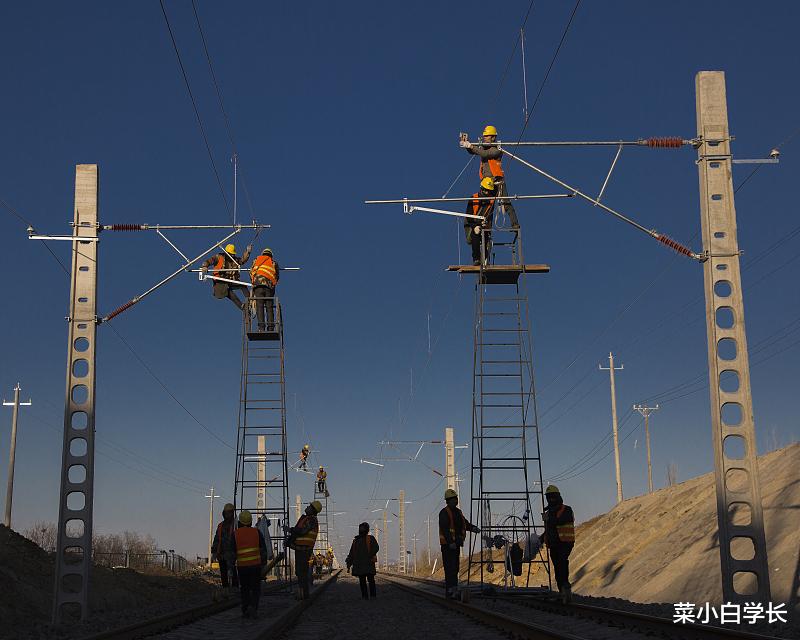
column 332, row 103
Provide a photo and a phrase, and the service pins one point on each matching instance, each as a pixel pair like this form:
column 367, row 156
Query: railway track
column 554, row 621
column 223, row 620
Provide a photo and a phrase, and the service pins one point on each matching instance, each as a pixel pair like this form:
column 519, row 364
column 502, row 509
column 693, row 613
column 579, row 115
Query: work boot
column 515, row 227
column 262, row 328
column 567, row 595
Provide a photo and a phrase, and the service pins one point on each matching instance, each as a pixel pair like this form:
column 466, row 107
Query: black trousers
column 362, row 582
column 320, row 486
column 301, row 558
column 451, row 558
column 502, row 191
column 560, row 558
column 475, row 241
column 264, row 297
column 250, row 587
column 225, row 290
column 224, row 569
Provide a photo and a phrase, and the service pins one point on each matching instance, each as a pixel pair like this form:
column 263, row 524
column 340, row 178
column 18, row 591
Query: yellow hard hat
column 317, row 506
column 551, row 489
column 230, row 248
column 490, row 130
column 245, row 518
column 488, row 183
column 320, row 466
column 305, row 446
column 450, row 493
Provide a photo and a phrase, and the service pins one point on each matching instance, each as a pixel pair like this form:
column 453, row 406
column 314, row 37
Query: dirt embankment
column 117, row 596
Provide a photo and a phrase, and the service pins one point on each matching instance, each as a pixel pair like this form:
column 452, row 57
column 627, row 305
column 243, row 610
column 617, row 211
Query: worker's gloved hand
column 452, row 546
column 249, row 248
column 465, row 144
column 204, row 269
column 476, row 229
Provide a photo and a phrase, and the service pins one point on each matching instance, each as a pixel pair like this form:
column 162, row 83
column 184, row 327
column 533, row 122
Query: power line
column 510, row 59
column 194, row 105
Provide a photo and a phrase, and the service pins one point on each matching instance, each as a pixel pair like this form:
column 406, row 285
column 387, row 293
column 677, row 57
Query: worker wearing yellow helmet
column 479, row 230
column 302, row 537
column 492, row 166
column 225, row 268
column 559, row 536
column 304, row 458
column 453, row 528
column 322, row 477
column 251, row 554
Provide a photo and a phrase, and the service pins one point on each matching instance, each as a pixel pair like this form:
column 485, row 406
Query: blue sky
column 331, row 104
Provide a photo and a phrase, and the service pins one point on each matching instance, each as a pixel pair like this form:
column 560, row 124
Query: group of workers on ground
column 492, row 185
column 224, row 269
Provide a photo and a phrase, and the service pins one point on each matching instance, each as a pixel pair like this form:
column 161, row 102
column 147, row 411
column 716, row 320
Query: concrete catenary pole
column 211, row 498
column 615, row 431
column 385, row 543
column 298, row 507
column 401, row 528
column 646, row 411
column 12, row 452
column 414, row 541
column 450, row 457
column 261, row 473
column 428, row 520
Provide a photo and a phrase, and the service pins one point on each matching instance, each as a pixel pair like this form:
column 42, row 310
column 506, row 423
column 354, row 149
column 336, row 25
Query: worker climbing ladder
column 323, row 541
column 507, row 494
column 261, row 481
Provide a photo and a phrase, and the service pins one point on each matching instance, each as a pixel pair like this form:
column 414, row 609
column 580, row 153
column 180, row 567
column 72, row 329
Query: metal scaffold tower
column 323, row 539
column 506, row 463
column 261, row 482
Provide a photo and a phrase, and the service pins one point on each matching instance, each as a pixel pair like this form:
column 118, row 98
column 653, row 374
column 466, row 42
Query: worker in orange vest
column 265, row 274
column 226, row 265
column 322, row 477
column 251, row 554
column 221, row 547
column 302, row 538
column 492, row 167
column 473, row 227
column 559, row 536
column 453, row 527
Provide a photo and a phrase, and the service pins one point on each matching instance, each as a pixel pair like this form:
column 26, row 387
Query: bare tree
column 43, row 534
column 672, row 474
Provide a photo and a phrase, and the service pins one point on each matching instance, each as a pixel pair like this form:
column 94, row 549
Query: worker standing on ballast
column 226, row 264
column 559, row 536
column 251, row 554
column 362, row 559
column 322, row 476
column 265, row 274
column 302, row 537
column 480, row 231
column 221, row 548
column 492, row 167
column 453, row 527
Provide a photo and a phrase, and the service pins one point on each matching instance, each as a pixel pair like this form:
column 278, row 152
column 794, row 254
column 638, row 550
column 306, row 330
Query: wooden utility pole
column 739, row 511
column 12, row 451
column 646, row 411
column 610, row 368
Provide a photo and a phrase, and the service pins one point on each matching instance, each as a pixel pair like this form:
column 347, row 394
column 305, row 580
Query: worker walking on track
column 251, row 554
column 221, row 548
column 302, row 537
column 321, row 484
column 453, row 527
column 479, row 232
column 492, row 167
column 559, row 536
column 226, row 264
column 265, row 274
column 363, row 558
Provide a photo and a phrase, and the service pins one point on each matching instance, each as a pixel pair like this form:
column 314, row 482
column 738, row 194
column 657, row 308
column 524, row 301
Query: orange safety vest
column 442, row 539
column 495, row 169
column 566, row 532
column 263, row 267
column 308, row 539
column 248, row 552
column 219, row 267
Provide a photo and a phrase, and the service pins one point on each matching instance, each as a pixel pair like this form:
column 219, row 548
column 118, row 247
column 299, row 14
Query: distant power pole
column 385, row 543
column 12, row 450
column 211, row 497
column 611, row 370
column 261, row 473
column 646, row 411
column 401, row 528
column 414, row 541
column 298, row 507
column 450, row 458
column 428, row 520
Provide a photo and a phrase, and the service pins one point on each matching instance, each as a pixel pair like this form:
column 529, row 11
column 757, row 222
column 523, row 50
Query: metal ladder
column 506, row 476
column 261, row 482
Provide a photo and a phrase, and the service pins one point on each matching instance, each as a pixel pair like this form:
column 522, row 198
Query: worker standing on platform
column 473, row 227
column 453, row 527
column 265, row 274
column 492, row 167
column 302, row 537
column 304, row 458
column 226, row 265
column 319, row 563
column 221, row 548
column 559, row 536
column 321, row 484
column 251, row 554
column 362, row 558
column 330, row 559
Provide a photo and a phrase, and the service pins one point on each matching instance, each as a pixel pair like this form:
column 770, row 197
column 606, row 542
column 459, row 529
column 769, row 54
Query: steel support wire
column 660, row 237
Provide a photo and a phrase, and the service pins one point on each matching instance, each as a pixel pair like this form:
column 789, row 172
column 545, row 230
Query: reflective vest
column 443, row 539
column 495, row 169
column 307, row 539
column 566, row 532
column 321, row 475
column 477, row 205
column 263, row 269
column 219, row 267
column 248, row 552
